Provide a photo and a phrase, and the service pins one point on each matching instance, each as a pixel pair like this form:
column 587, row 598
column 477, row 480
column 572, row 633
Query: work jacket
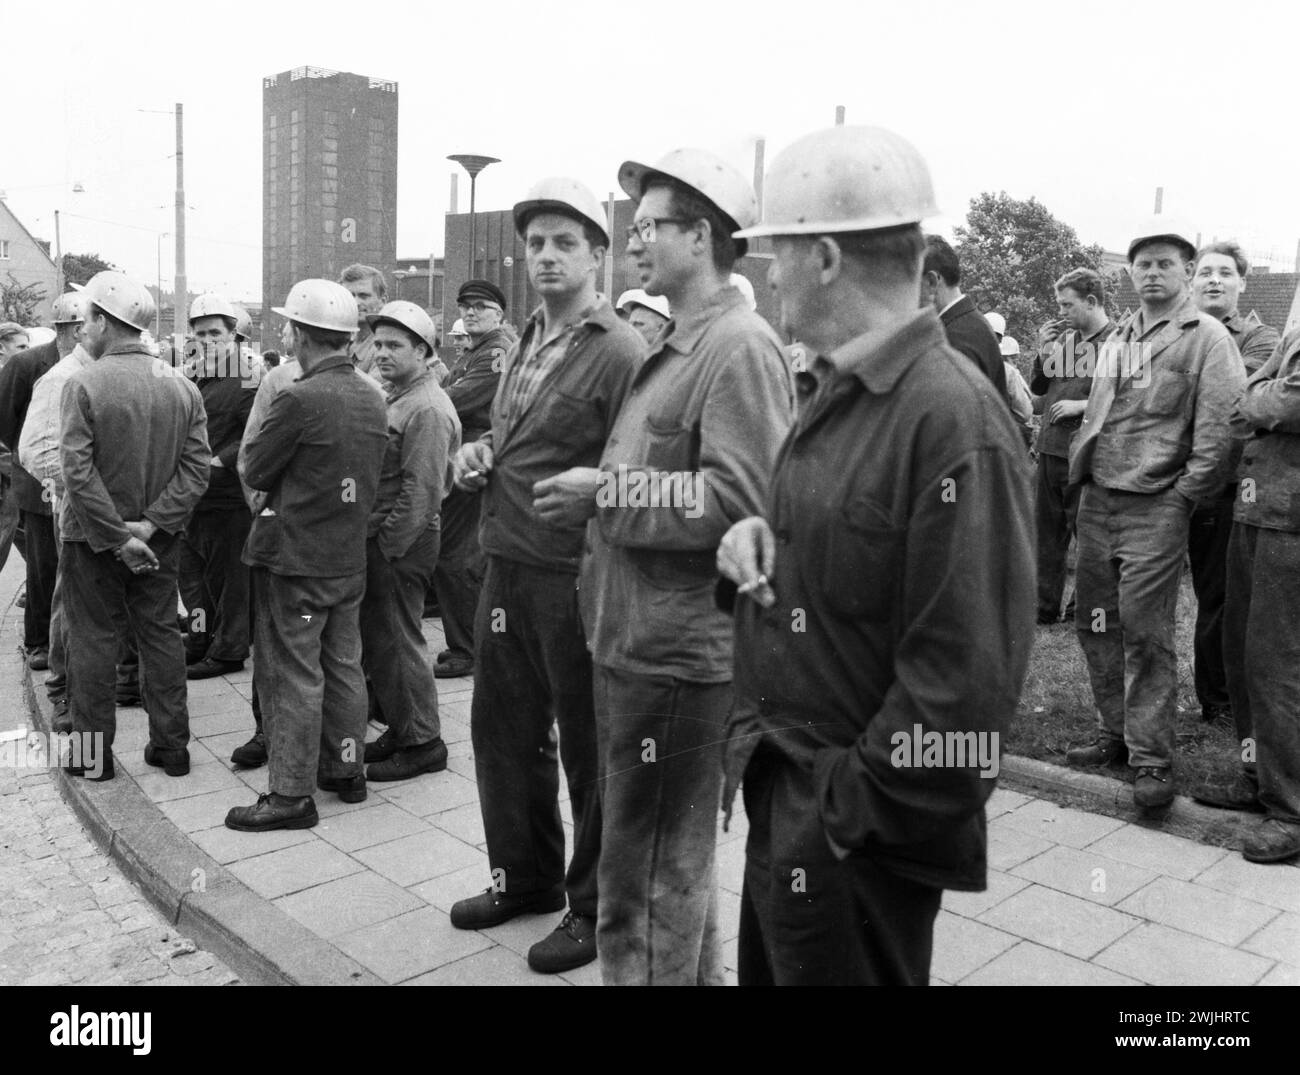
column 472, row 382
column 1065, row 374
column 1268, row 416
column 17, row 381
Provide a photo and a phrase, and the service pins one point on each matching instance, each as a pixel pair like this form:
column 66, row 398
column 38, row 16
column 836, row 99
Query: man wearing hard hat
column 134, row 455
column 459, row 339
column 561, row 387
column 885, row 593
column 402, row 546
column 644, row 312
column 471, row 385
column 689, row 455
column 1022, row 403
column 1153, row 445
column 213, row 577
column 317, row 455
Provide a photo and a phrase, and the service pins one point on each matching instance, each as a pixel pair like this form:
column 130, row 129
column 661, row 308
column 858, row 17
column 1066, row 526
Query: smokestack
column 759, row 148
column 1160, row 200
column 455, row 196
column 839, row 115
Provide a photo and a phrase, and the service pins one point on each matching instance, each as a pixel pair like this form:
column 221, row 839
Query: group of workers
column 705, row 567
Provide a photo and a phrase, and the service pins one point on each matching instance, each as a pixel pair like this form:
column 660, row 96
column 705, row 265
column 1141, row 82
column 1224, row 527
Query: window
column 4, row 249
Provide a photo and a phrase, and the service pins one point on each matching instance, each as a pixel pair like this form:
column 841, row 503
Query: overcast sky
column 1088, row 106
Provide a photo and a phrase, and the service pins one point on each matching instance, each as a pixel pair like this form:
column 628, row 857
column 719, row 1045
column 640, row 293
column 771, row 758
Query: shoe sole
column 437, row 768
column 560, row 968
column 1271, row 857
column 1219, row 804
column 557, row 904
column 293, row 823
column 452, row 675
column 245, row 763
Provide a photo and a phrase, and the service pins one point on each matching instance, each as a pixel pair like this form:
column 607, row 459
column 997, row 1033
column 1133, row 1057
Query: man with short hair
column 884, row 595
column 402, row 546
column 134, row 455
column 13, row 339
column 648, row 314
column 968, row 331
column 369, row 288
column 1062, row 378
column 560, row 390
column 1154, row 443
column 471, row 387
column 1217, row 286
column 317, row 455
column 689, row 455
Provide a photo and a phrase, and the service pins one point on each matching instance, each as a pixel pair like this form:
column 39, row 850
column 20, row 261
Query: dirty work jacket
column 905, row 596
column 317, row 454
column 1065, row 375
column 705, row 417
column 17, row 380
column 1255, row 340
column 38, row 447
column 1158, row 411
column 473, row 380
column 227, row 401
column 134, row 447
column 564, row 426
column 1268, row 415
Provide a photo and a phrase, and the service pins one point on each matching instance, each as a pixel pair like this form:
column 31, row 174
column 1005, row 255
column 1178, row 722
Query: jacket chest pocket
column 571, row 420
column 1170, row 392
column 862, row 558
column 670, row 445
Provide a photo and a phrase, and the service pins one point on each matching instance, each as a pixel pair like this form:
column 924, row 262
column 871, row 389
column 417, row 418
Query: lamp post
column 473, row 163
column 157, row 315
column 399, row 275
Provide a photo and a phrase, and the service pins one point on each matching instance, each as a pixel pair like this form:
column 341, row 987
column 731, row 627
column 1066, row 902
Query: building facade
column 25, row 261
column 329, row 177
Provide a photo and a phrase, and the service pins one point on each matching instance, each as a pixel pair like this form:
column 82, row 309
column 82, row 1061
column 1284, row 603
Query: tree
column 18, row 302
column 79, row 268
column 1012, row 253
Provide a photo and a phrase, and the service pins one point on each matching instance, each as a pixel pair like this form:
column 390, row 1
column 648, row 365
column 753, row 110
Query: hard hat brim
column 828, row 227
column 524, row 210
column 631, row 177
column 313, row 324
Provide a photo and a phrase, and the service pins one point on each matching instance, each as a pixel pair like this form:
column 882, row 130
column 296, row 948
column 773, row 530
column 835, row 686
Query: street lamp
column 473, row 163
column 399, row 275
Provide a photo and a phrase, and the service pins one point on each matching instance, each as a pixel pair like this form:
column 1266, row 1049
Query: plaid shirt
column 538, row 362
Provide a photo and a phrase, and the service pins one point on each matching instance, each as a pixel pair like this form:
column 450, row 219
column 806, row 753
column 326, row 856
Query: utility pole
column 1160, row 200
column 839, row 115
column 58, row 258
column 182, row 297
column 609, row 254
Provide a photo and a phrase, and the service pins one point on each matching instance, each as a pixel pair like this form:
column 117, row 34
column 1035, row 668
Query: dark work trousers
column 214, row 581
column 105, row 603
column 254, row 700
column 308, row 675
column 532, row 671
column 458, row 577
column 808, row 918
column 1261, row 634
column 661, row 778
column 56, row 683
column 1207, row 548
column 1056, row 507
column 10, row 534
column 42, row 571
column 394, row 655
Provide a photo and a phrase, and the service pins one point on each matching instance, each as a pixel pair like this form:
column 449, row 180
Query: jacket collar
column 496, row 338
column 879, row 358
column 682, row 336
column 956, row 308
column 601, row 316
column 1237, row 322
column 331, row 363
column 133, row 348
column 397, row 393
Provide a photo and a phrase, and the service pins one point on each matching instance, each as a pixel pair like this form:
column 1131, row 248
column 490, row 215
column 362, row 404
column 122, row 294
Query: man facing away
column 968, row 331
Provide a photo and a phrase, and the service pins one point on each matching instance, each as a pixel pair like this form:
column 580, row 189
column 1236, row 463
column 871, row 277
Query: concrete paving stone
column 123, row 911
column 1058, row 824
column 1158, row 955
column 238, row 718
column 587, row 975
column 433, row 793
column 463, row 822
column 1278, row 885
column 1280, row 939
column 229, row 845
column 455, row 707
column 416, row 858
column 222, row 744
column 292, row 869
column 1066, row 923
column 133, row 762
column 1032, row 964
column 201, row 812
column 201, row 781
column 258, row 781
column 208, row 698
column 1282, row 974
column 1160, row 852
column 728, row 914
column 328, row 804
column 1008, row 848
column 445, row 890
column 455, row 731
column 410, row 944
column 973, row 904
column 1199, row 910
column 962, row 946
column 365, row 828
column 731, row 953
column 494, row 966
column 1003, row 800
column 461, row 764
column 347, row 904
column 730, row 866
column 1085, row 874
column 520, row 934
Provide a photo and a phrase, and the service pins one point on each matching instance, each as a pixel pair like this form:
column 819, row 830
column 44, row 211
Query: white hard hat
column 565, row 196
column 707, row 174
column 1009, row 346
column 210, row 304
column 742, row 284
column 243, row 322
column 997, row 323
column 39, row 335
column 69, row 309
column 409, row 316
column 1163, row 226
column 320, row 304
column 121, row 297
column 639, row 297
column 458, row 328
column 845, row 179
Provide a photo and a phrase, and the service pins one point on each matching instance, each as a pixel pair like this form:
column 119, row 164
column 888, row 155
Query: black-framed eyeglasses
column 645, row 227
column 477, row 307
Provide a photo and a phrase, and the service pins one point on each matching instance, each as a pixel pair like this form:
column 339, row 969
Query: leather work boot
column 38, row 660
column 1239, row 793
column 252, row 754
column 171, row 762
column 210, row 667
column 409, row 762
column 381, row 749
column 86, row 772
column 453, row 667
column 61, row 722
column 1154, row 787
column 1274, row 841
column 274, row 812
column 1100, row 752
column 1212, row 714
column 351, row 789
column 491, row 908
column 570, row 945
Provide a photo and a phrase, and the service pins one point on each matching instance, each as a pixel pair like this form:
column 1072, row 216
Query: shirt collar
column 879, row 357
column 398, row 393
column 682, row 336
column 1182, row 315
column 330, row 363
column 951, row 305
column 132, row 348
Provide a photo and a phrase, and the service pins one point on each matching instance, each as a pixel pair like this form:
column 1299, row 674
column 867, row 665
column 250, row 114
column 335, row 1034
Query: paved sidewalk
column 1073, row 897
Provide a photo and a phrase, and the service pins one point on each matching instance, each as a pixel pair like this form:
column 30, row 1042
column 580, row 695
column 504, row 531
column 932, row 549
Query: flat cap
column 481, row 289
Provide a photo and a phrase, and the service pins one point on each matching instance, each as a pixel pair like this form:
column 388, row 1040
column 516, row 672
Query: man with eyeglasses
column 698, row 433
column 471, row 386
